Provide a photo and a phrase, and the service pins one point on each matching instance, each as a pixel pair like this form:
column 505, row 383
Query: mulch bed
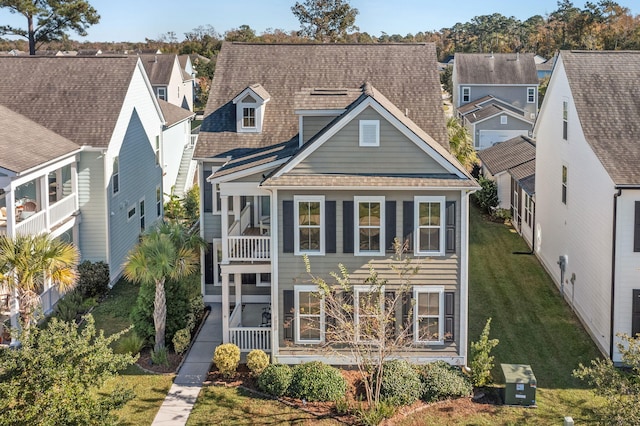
column 144, row 362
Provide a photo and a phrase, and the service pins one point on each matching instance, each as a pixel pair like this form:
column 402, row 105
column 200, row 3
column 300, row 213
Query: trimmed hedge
column 227, row 357
column 317, row 381
column 275, row 379
column 441, row 381
column 93, row 279
column 257, row 361
column 401, row 383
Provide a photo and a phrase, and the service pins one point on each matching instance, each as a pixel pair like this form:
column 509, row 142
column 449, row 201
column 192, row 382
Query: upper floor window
column 430, row 222
column 157, row 150
column 466, row 94
column 564, row 184
column 531, row 95
column 249, row 118
column 309, row 224
column 503, row 119
column 250, row 108
column 369, row 133
column 162, row 93
column 115, row 177
column 141, row 208
column 369, row 225
column 565, row 119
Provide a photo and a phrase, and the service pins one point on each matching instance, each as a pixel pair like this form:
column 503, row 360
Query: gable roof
column 406, row 73
column 525, row 175
column 319, row 98
column 496, row 68
column 25, row 144
column 492, row 109
column 605, row 90
column 159, row 68
column 508, row 154
column 173, row 114
column 79, row 98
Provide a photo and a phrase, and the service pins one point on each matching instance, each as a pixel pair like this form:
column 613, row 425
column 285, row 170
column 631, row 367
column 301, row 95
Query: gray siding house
column 315, row 150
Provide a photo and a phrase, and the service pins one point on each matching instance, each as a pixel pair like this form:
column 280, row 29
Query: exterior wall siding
column 513, row 124
column 174, row 140
column 92, row 203
column 344, row 153
column 504, row 190
column 311, row 125
column 515, row 95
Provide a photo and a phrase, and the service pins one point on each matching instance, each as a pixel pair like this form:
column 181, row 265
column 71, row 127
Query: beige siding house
column 335, row 161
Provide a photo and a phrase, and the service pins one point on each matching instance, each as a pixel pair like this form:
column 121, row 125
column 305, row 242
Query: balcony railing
column 36, row 223
column 249, row 248
column 62, row 209
column 32, row 225
column 250, row 338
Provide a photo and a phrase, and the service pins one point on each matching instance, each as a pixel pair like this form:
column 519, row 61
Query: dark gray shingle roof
column 351, row 180
column 525, row 175
column 496, row 68
column 158, row 68
column 172, row 113
column 605, row 89
column 508, row 154
column 405, row 73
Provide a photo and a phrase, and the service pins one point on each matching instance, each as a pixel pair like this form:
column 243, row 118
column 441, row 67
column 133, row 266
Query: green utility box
column 520, row 385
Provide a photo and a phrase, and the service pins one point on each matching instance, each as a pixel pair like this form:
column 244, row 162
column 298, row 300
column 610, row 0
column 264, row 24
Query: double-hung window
column 162, row 93
column 428, row 318
column 157, row 150
column 249, row 117
column 309, row 224
column 466, row 94
column 368, row 312
column 429, row 217
column 565, row 119
column 528, row 209
column 531, row 95
column 564, row 184
column 158, row 201
column 309, row 314
column 115, row 176
column 369, row 226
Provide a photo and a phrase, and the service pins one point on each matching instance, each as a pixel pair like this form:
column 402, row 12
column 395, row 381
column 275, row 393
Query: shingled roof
column 79, row 98
column 25, row 144
column 405, row 73
column 605, row 90
column 158, row 68
column 508, row 154
column 173, row 114
column 496, row 68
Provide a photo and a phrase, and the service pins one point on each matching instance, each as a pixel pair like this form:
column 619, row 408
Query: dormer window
column 250, row 106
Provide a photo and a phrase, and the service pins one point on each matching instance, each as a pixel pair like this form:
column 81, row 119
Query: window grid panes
column 248, row 117
column 564, row 184
column 309, row 316
column 369, row 226
column 428, row 316
column 309, row 226
column 429, row 226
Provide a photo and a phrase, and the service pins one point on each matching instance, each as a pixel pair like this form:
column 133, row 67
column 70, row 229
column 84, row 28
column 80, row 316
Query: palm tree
column 460, row 143
column 28, row 262
column 166, row 252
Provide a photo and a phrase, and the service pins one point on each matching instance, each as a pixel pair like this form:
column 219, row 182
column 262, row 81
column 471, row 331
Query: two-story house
column 588, row 190
column 330, row 151
column 495, row 95
column 170, row 81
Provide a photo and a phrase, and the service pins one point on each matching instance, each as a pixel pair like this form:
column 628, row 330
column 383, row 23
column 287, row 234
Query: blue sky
column 135, row 20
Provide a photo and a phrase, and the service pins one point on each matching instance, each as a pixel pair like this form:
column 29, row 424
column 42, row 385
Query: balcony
column 248, row 239
column 255, row 336
column 32, row 220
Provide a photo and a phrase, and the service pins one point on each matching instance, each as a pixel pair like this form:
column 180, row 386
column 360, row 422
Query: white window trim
column 356, row 226
column 159, row 200
column 157, row 150
column 162, row 93
column 142, row 215
column 527, row 209
column 564, row 184
column 504, row 119
column 565, row 118
column 297, row 290
column 357, row 289
column 297, row 199
column 217, row 278
column 130, row 217
column 215, row 193
column 255, row 123
column 428, row 289
column 114, row 175
column 533, row 97
column 416, row 216
column 362, row 142
column 466, row 89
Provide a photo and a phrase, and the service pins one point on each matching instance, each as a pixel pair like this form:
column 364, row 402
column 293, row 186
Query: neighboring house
column 510, row 78
column 106, row 107
column 169, row 80
column 588, row 190
column 334, row 161
column 490, row 120
column 511, row 164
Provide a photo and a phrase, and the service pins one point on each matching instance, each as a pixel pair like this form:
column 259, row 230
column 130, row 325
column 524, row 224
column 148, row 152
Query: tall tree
column 166, row 252
column 325, row 20
column 460, row 143
column 48, row 20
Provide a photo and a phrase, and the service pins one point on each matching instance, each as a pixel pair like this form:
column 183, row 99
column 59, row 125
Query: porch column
column 237, row 280
column 43, row 193
column 74, row 185
column 224, row 224
column 11, row 212
column 237, row 211
column 225, row 308
column 15, row 315
column 256, row 211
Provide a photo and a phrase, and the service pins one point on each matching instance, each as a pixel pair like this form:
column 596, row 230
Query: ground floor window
column 428, row 318
column 309, row 315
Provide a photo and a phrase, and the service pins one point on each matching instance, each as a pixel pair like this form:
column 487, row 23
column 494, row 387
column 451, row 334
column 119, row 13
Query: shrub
column 501, row 214
column 130, row 344
column 227, row 357
column 196, row 308
column 93, row 279
column 159, row 357
column 257, row 361
column 373, row 416
column 68, row 308
column 316, row 381
column 481, row 359
column 181, row 340
column 275, row 379
column 400, row 383
column 441, row 381
column 487, row 197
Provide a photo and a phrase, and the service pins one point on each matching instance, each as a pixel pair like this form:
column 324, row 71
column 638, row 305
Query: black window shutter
column 289, row 315
column 407, row 222
column 330, row 226
column 390, row 229
column 208, row 265
column 451, row 227
column 347, row 226
column 635, row 313
column 449, row 311
column 636, row 229
column 287, row 226
column 207, row 190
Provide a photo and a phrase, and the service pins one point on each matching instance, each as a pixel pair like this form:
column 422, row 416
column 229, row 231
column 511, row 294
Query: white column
column 43, row 189
column 15, row 310
column 275, row 309
column 225, row 308
column 224, row 224
column 74, row 184
column 11, row 212
column 236, row 207
column 237, row 280
column 464, row 273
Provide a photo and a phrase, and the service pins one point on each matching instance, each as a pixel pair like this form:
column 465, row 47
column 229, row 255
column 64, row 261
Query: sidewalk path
column 182, row 396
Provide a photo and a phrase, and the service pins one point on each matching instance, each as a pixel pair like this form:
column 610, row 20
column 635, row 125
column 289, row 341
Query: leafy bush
column 502, row 214
column 159, row 357
column 400, row 383
column 196, row 308
column 487, row 197
column 68, row 308
column 373, row 416
column 275, row 379
column 481, row 359
column 316, row 381
column 181, row 340
column 441, row 381
column 257, row 361
column 227, row 357
column 130, row 344
column 93, row 279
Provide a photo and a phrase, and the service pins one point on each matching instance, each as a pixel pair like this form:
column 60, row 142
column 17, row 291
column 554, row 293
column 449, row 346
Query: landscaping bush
column 441, row 381
column 316, row 381
column 487, row 197
column 181, row 340
column 159, row 357
column 257, row 361
column 227, row 357
column 68, row 308
column 93, row 279
column 196, row 309
column 275, row 379
column 481, row 358
column 130, row 344
column 401, row 383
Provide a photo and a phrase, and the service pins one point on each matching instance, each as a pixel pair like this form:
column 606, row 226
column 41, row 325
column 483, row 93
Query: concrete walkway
column 182, row 396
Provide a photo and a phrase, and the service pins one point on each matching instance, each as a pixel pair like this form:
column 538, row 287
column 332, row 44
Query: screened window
column 309, row 224
column 369, row 225
column 430, row 221
column 309, row 311
column 428, row 318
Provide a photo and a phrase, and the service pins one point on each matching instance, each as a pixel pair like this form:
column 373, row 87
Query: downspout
column 613, row 269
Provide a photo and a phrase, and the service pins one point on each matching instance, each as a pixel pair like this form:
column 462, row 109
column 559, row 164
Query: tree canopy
column 49, row 20
column 325, row 20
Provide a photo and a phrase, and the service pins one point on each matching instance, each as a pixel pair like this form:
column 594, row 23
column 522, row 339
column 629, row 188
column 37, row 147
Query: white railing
column 249, row 338
column 49, row 298
column 62, row 209
column 192, row 140
column 245, row 248
column 32, row 225
column 239, row 226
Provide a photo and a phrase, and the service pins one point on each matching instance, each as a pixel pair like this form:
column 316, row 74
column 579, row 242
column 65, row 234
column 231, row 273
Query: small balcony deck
column 248, row 240
column 250, row 327
column 39, row 221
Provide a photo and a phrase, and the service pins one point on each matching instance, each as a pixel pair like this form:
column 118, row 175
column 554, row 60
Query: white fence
column 250, row 338
column 250, row 249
